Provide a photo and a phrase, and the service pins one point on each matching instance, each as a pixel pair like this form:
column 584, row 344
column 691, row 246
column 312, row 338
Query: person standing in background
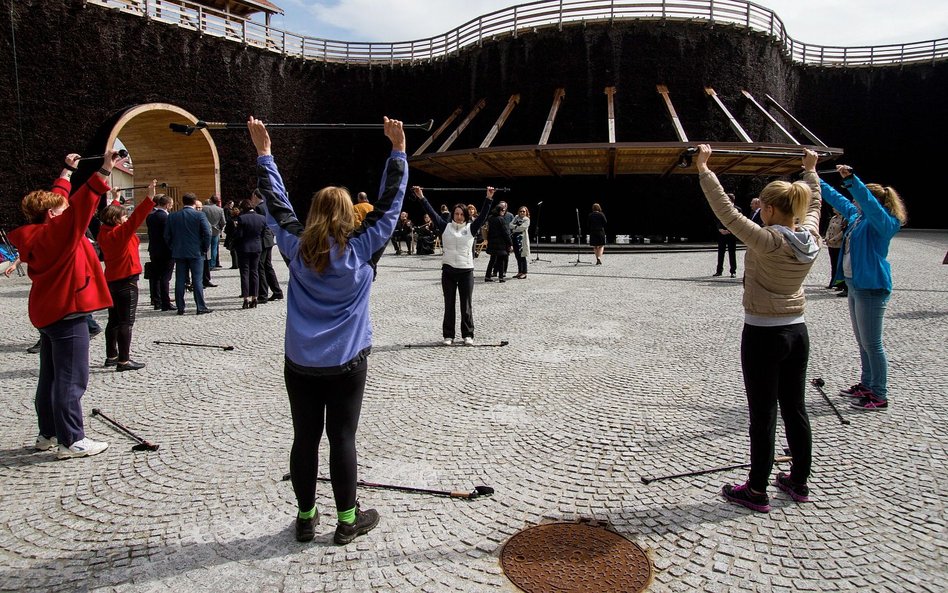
column 597, row 232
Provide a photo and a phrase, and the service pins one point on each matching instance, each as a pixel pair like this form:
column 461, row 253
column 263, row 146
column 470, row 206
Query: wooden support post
column 766, row 114
column 438, row 132
column 795, row 122
column 467, row 120
column 730, row 118
column 679, row 130
column 548, row 127
column 514, row 99
column 610, row 93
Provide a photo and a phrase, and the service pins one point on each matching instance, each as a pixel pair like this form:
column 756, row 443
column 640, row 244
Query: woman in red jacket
column 68, row 284
column 119, row 245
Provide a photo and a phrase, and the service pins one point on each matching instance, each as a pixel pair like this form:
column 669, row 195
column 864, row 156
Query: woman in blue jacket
column 876, row 217
column 328, row 330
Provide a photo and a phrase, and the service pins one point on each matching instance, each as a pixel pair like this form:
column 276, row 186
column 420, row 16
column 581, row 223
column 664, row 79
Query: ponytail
column 890, row 200
column 789, row 198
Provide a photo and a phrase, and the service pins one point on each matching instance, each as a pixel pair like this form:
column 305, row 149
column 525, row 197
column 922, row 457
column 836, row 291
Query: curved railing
column 526, row 18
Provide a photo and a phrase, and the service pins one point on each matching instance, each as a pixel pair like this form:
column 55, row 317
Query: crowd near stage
column 611, row 374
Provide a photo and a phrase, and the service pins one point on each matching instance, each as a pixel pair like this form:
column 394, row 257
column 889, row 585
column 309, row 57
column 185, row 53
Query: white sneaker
column 448, row 341
column 83, row 448
column 468, row 341
column 45, row 444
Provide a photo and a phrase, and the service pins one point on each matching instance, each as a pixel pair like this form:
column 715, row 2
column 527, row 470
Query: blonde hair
column 37, row 203
column 890, row 199
column 789, row 198
column 597, row 208
column 330, row 215
column 112, row 215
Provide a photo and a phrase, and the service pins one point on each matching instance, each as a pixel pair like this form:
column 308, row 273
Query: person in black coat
column 248, row 243
column 499, row 245
column 597, row 232
column 269, row 289
column 726, row 240
column 161, row 264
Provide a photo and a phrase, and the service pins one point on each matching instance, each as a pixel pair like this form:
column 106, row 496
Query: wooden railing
column 525, row 19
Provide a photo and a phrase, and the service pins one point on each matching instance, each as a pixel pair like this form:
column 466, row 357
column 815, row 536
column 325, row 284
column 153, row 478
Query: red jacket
column 66, row 274
column 119, row 244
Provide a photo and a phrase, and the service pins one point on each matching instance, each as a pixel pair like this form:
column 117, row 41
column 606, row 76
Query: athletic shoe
column 857, row 390
column 448, row 341
column 468, row 341
column 306, row 528
column 84, row 448
column 110, row 362
column 870, row 402
column 798, row 492
column 364, row 523
column 742, row 495
column 131, row 365
column 45, row 444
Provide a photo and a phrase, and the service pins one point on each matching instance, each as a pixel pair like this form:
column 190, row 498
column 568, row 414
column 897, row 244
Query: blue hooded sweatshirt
column 328, row 329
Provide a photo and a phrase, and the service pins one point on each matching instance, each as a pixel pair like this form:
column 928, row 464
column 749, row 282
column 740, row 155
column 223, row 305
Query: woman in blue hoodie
column 328, row 330
column 876, row 217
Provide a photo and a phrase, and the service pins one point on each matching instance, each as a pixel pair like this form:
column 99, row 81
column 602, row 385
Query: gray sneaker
column 84, row 448
column 45, row 444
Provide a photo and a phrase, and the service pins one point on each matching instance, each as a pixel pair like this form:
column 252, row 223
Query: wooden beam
column 548, row 127
column 467, row 120
column 730, row 118
column 766, row 114
column 437, row 132
column 514, row 99
column 547, row 163
column 679, row 130
column 610, row 101
column 795, row 122
column 491, row 166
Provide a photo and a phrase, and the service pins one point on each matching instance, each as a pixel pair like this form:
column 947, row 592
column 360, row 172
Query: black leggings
column 118, row 331
column 336, row 401
column 774, row 362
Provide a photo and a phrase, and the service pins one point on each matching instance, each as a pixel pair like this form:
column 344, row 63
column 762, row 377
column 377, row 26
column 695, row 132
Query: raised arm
column 811, row 221
column 872, row 211
column 435, row 217
column 836, row 199
column 484, row 213
column 279, row 213
column 125, row 230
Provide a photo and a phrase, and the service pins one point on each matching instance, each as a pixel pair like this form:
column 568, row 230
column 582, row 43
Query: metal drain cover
column 567, row 557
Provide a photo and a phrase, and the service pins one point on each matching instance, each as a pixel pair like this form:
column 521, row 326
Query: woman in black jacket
column 597, row 232
column 248, row 245
column 499, row 245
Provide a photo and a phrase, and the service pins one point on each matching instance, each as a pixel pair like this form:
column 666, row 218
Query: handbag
column 147, row 270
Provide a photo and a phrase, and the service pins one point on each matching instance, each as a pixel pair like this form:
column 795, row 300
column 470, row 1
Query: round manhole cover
column 568, row 557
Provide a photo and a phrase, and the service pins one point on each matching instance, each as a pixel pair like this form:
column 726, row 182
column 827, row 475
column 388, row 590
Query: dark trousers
column 63, row 377
column 728, row 242
column 497, row 266
column 521, row 263
column 160, row 281
column 266, row 276
column 774, row 362
column 454, row 280
column 206, row 277
column 183, row 268
column 834, row 260
column 249, row 274
column 118, row 331
column 336, row 401
column 233, row 260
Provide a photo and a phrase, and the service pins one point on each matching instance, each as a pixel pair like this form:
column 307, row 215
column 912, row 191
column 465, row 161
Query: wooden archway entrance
column 185, row 163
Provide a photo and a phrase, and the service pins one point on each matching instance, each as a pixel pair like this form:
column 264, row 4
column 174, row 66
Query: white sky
column 821, row 22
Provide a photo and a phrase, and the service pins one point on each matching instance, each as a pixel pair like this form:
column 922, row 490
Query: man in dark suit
column 161, row 262
column 755, row 207
column 188, row 234
column 268, row 285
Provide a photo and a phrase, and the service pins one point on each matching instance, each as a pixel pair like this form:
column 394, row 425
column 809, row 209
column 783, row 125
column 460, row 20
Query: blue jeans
column 181, row 269
column 215, row 251
column 866, row 310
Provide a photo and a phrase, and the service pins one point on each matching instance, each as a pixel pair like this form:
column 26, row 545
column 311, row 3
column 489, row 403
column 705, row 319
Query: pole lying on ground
column 142, row 445
column 188, row 129
column 224, row 348
column 496, row 189
column 819, row 383
column 478, row 491
column 439, row 345
column 645, row 480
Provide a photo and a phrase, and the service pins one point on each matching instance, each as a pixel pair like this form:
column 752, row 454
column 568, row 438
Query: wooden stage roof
column 611, row 159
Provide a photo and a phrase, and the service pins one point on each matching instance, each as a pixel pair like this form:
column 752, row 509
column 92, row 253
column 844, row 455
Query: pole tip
column 819, row 382
column 228, row 348
column 95, row 411
column 428, row 125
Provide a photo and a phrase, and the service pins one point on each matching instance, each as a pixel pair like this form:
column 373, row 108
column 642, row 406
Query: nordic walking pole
column 702, row 472
column 476, row 493
column 142, row 445
column 819, row 383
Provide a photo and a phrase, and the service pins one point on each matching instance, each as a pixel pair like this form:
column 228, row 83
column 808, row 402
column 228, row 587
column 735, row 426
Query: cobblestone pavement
column 613, row 372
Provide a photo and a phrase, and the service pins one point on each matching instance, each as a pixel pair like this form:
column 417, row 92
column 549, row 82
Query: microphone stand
column 537, row 240
column 579, row 240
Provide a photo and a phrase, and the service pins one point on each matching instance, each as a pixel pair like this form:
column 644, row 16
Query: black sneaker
column 798, row 492
column 364, row 523
column 742, row 495
column 306, row 528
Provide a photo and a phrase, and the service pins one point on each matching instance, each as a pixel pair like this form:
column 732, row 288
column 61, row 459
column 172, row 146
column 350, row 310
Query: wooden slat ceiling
column 608, row 160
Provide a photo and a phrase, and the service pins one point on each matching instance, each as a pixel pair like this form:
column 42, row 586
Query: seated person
column 425, row 237
column 403, row 232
